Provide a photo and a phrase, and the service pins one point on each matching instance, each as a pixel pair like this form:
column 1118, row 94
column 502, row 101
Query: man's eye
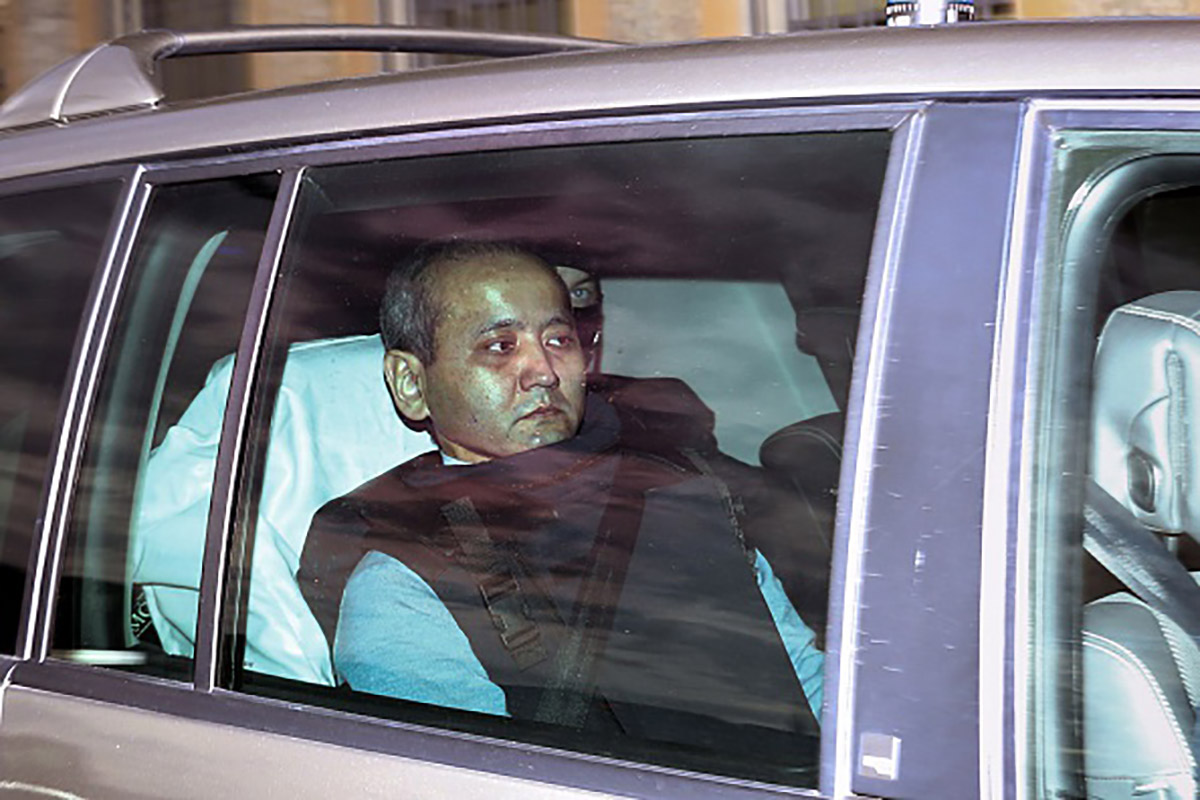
column 498, row 346
column 562, row 340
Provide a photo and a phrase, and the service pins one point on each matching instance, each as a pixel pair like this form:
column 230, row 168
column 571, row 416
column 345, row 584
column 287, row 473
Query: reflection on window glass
column 568, row 475
column 50, row 243
column 1123, row 545
column 128, row 594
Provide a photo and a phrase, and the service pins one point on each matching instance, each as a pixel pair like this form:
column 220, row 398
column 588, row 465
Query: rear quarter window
column 50, row 244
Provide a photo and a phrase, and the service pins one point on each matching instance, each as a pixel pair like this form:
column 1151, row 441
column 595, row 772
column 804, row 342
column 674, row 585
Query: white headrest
column 333, row 428
column 1146, row 399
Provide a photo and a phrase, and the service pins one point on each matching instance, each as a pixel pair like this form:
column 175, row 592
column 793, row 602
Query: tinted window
column 651, row 583
column 50, row 242
column 130, row 551
column 1115, row 555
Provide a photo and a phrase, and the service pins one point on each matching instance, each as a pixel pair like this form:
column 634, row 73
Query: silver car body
column 938, row 480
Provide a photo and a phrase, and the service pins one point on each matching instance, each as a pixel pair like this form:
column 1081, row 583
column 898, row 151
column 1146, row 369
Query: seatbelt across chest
column 1136, row 558
column 505, row 592
column 500, row 585
column 568, row 698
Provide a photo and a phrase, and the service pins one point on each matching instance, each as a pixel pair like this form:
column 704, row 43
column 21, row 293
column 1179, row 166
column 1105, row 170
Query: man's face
column 508, row 372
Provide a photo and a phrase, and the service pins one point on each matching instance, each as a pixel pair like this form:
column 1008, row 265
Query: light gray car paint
column 73, row 747
column 970, row 60
column 125, row 73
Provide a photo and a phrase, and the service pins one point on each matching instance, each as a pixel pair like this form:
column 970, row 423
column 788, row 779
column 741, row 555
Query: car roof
column 995, row 59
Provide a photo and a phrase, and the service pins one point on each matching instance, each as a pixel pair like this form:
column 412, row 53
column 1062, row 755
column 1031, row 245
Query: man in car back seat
column 569, row 554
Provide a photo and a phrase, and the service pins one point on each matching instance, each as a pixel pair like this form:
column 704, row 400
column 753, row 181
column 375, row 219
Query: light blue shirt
column 429, row 659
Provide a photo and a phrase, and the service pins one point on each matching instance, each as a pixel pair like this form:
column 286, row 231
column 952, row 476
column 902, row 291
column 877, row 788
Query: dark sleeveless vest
column 601, row 587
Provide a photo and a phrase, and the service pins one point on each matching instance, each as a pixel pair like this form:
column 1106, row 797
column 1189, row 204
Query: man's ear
column 405, row 376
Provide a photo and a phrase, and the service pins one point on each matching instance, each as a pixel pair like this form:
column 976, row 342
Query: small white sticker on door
column 879, row 756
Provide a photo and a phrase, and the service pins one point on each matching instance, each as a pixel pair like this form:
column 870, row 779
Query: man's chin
column 543, row 432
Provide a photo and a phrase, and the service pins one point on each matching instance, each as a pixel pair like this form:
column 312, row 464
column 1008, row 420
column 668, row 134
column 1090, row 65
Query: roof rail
column 122, row 74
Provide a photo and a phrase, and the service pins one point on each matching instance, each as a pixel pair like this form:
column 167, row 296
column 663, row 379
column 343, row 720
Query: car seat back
column 334, row 427
column 731, row 342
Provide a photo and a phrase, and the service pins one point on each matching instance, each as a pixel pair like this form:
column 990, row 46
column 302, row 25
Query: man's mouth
column 542, row 412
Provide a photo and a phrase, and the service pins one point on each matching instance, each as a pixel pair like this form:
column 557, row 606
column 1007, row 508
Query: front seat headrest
column 1144, row 406
column 828, row 334
column 807, row 455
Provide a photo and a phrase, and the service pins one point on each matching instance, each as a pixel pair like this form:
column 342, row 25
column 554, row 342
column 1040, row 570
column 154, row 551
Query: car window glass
column 675, row 321
column 136, row 532
column 1115, row 550
column 50, row 242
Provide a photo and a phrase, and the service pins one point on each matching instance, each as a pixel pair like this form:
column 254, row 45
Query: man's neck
column 451, row 461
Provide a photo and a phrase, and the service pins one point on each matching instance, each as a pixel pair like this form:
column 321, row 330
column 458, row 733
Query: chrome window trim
column 67, row 178
column 216, row 603
column 514, row 135
column 42, row 580
column 338, row 148
column 7, row 665
column 1117, row 113
column 1003, row 577
column 293, row 719
column 837, row 756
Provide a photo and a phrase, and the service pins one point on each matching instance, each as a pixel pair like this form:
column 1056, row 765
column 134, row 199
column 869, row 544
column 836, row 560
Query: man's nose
column 538, row 369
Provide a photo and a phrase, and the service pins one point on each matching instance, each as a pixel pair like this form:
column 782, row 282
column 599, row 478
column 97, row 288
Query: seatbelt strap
column 734, row 511
column 496, row 573
column 1136, row 558
column 568, row 697
column 1139, row 560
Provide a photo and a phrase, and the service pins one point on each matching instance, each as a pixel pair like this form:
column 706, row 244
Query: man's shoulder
column 383, row 489
column 660, row 416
